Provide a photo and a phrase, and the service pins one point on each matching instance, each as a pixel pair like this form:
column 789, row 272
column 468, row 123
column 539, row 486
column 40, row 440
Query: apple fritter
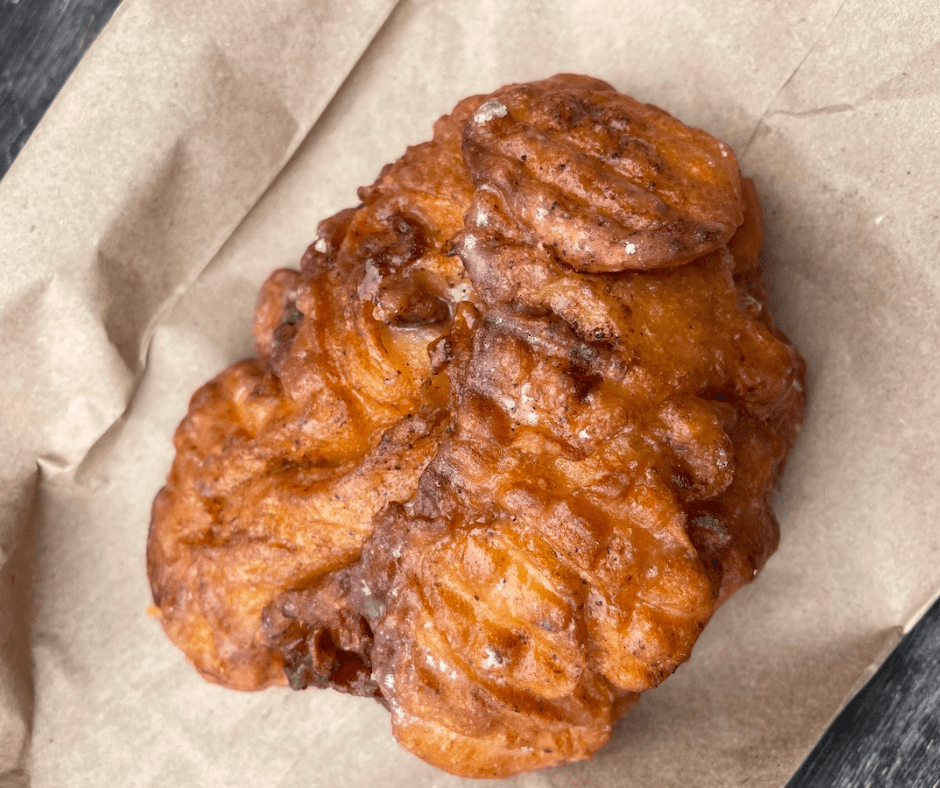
column 509, row 441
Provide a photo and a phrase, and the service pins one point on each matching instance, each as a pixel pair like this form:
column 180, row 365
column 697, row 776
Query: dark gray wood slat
column 888, row 736
column 41, row 42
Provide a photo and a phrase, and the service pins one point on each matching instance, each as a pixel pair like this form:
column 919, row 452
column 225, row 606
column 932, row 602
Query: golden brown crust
column 509, row 441
column 603, row 182
column 283, row 460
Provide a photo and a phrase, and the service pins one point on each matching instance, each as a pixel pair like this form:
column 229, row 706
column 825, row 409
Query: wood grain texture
column 41, row 42
column 889, row 733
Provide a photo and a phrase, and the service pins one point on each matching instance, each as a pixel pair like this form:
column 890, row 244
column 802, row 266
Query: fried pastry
column 509, row 439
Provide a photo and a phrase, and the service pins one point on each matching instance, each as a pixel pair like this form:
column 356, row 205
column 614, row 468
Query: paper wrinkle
column 920, row 613
column 128, row 323
column 139, row 284
column 789, row 79
column 918, row 78
column 134, row 349
column 101, row 444
column 18, row 500
column 75, row 414
column 121, row 275
column 829, row 109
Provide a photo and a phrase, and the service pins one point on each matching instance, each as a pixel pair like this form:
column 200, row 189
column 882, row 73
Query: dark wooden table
column 41, row 41
column 889, row 735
